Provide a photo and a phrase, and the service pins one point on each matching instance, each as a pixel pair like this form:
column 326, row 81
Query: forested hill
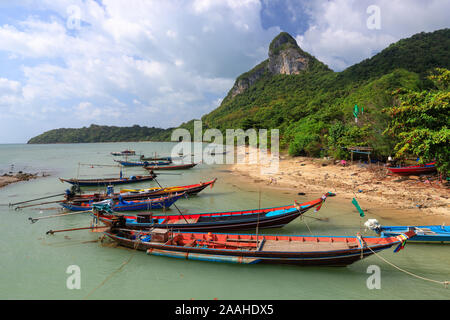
column 96, row 133
column 313, row 105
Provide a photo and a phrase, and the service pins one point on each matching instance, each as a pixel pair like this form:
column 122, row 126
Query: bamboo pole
column 73, row 229
column 33, row 220
column 56, row 195
column 37, row 204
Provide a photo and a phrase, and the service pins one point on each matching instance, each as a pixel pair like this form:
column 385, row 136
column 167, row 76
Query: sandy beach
column 411, row 197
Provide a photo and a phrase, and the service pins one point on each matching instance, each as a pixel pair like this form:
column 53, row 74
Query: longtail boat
column 108, row 181
column 251, row 248
column 215, row 221
column 171, row 167
column 424, row 234
column 124, row 153
column 142, row 163
column 135, row 194
column 155, row 158
column 122, row 205
column 414, row 170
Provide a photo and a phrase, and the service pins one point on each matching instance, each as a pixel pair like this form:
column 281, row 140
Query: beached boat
column 124, row 153
column 215, row 221
column 155, row 158
column 135, row 194
column 251, row 248
column 425, row 234
column 142, row 163
column 121, row 205
column 414, row 170
column 171, row 167
column 108, row 181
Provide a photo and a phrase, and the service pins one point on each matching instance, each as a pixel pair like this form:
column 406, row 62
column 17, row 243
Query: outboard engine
column 109, row 190
column 373, row 225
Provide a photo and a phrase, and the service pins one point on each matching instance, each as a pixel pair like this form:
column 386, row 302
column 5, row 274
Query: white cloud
column 339, row 36
column 175, row 57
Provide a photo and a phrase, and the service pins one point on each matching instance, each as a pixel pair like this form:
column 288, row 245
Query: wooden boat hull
column 292, row 249
column 171, row 167
column 106, row 182
column 424, row 234
column 124, row 153
column 188, row 189
column 137, row 205
column 414, row 170
column 219, row 221
column 168, row 159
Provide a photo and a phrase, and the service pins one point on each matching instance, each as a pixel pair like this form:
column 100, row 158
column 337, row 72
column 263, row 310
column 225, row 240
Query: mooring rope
column 444, row 283
column 136, row 245
column 302, row 218
column 110, row 275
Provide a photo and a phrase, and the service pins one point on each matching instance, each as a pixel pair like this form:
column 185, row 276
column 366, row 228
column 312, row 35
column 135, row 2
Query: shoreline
column 420, row 198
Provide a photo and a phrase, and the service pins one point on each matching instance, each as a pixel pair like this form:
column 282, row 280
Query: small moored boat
column 124, row 153
column 108, row 181
column 142, row 163
column 414, row 170
column 425, row 234
column 171, row 167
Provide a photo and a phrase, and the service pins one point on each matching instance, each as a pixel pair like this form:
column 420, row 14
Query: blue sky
column 71, row 63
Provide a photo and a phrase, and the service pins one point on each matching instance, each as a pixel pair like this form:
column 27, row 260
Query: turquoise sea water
column 33, row 264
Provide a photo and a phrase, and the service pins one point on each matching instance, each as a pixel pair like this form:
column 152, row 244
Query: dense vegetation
column 96, row 133
column 420, row 121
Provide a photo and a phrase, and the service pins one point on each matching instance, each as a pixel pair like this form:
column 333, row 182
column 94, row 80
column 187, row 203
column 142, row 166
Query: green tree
column 420, row 120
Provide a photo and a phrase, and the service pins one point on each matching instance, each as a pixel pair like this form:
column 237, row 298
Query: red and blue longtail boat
column 251, row 248
column 214, row 221
column 122, row 205
column 414, row 170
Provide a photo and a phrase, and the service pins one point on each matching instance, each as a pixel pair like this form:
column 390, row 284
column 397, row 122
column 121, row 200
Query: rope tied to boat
column 444, row 283
column 361, row 244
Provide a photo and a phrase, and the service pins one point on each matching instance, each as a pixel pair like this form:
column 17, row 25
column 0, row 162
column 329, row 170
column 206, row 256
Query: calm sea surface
column 33, row 264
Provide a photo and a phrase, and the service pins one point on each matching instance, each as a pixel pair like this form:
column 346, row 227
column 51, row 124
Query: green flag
column 355, row 111
column 356, row 204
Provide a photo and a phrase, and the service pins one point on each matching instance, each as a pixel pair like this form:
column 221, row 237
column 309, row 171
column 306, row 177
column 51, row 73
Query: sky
column 72, row 63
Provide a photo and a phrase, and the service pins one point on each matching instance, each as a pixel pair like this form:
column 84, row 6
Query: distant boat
column 171, row 167
column 142, row 163
column 124, row 153
column 155, row 158
column 306, row 250
column 425, row 234
column 108, row 181
column 414, row 170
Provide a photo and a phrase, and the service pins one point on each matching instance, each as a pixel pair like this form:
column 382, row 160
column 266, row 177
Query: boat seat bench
column 285, row 245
